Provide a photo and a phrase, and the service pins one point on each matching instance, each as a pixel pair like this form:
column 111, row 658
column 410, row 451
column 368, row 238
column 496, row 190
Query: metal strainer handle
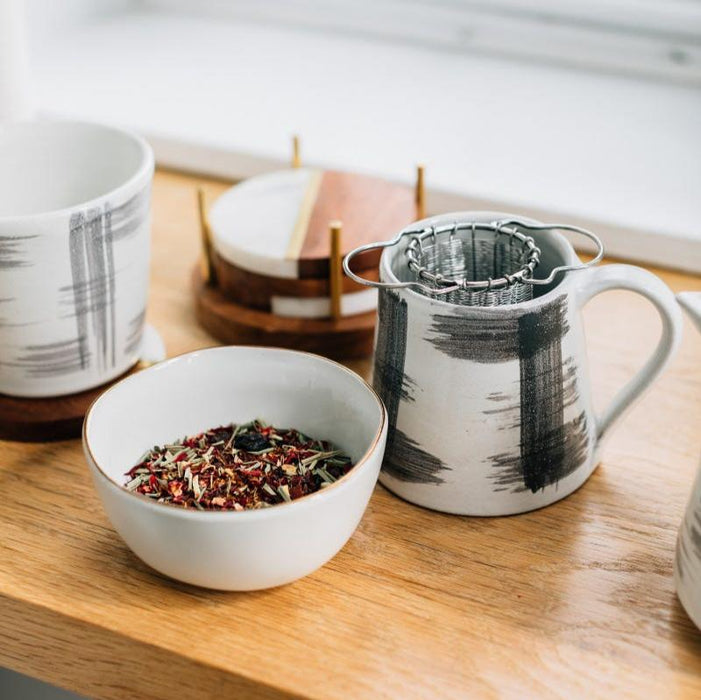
column 561, row 227
column 472, row 285
column 390, row 285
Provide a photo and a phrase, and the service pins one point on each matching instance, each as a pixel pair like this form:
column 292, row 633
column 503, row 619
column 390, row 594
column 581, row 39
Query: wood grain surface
column 573, row 600
column 370, row 208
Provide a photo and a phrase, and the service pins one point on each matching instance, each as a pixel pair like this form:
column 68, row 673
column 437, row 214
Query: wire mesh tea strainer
column 474, row 263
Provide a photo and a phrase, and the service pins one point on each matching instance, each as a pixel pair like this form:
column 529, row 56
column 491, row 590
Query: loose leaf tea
column 237, row 467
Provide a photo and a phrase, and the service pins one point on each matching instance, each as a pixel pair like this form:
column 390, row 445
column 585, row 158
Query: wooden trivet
column 47, row 419
column 257, row 291
column 344, row 338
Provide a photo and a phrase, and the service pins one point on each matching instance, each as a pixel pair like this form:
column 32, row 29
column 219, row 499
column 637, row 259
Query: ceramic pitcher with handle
column 490, row 408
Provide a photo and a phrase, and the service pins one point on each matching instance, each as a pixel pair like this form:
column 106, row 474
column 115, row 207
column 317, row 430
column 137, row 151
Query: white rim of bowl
column 145, row 169
column 251, row 512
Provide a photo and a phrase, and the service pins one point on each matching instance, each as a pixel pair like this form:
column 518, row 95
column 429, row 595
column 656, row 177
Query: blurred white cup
column 74, row 255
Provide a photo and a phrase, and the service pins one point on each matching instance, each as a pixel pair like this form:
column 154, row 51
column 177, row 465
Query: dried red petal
column 214, row 470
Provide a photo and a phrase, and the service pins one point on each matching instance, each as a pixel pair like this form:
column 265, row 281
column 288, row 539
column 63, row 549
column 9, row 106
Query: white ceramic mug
column 74, row 255
column 687, row 562
column 489, row 408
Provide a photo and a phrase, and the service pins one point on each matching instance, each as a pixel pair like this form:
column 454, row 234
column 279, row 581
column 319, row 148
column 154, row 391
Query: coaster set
column 273, row 246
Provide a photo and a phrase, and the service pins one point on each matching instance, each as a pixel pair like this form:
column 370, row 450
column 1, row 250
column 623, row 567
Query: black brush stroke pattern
column 97, row 274
column 549, row 452
column 390, row 353
column 51, row 359
column 404, row 458
column 689, row 540
column 91, row 296
column 76, row 245
column 549, row 448
column 485, row 338
column 408, row 461
column 513, row 409
column 533, row 468
column 136, row 327
column 3, row 321
column 111, row 284
column 695, row 532
column 92, row 291
column 128, row 217
column 13, row 253
column 682, row 555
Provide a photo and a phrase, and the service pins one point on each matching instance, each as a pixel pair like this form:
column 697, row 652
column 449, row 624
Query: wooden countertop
column 574, row 599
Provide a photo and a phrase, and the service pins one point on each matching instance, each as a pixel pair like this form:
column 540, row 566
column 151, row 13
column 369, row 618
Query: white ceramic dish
column 242, row 550
column 74, row 255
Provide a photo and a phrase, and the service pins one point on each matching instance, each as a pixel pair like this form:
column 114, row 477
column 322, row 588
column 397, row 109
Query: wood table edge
column 33, row 637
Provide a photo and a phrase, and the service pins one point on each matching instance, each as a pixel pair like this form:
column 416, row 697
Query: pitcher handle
column 635, row 279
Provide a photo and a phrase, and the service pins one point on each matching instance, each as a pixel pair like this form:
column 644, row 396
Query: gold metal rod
column 206, row 262
column 335, row 269
column 296, row 158
column 420, row 193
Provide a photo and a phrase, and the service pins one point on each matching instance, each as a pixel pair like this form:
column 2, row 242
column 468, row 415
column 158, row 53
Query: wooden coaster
column 47, row 419
column 257, row 291
column 346, row 338
column 277, row 225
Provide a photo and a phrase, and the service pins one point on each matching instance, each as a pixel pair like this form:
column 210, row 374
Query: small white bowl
column 240, row 550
